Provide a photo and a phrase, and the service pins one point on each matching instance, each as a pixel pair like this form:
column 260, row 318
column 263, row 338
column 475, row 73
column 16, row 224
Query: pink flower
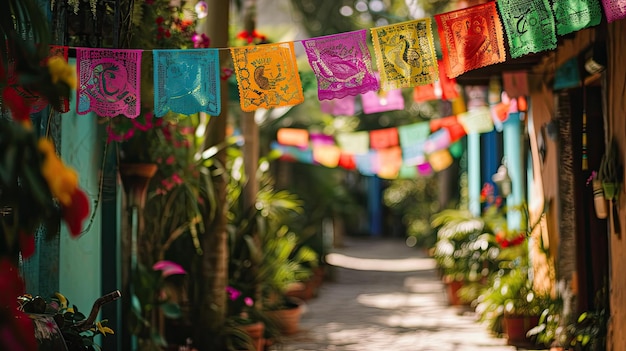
column 177, row 179
column 170, row 160
column 248, row 301
column 233, row 294
column 168, row 268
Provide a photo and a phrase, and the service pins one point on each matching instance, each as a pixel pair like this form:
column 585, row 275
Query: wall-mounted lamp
column 502, row 180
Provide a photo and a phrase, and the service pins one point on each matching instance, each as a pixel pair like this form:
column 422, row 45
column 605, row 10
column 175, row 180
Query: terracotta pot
column 287, row 320
column 516, row 327
column 452, row 289
column 256, row 331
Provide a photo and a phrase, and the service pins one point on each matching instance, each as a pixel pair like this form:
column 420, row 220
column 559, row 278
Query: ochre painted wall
column 616, row 84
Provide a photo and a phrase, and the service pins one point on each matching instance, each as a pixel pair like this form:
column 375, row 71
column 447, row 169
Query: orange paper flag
column 326, row 155
column 293, row 137
column 390, row 162
column 267, row 76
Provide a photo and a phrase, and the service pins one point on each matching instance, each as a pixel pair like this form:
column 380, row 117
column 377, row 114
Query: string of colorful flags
column 398, row 152
column 186, row 81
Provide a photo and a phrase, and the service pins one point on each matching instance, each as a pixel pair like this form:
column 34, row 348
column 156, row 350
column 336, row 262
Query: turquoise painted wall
column 80, row 258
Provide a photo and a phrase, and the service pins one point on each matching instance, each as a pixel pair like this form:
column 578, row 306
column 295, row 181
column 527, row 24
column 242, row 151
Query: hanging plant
column 610, row 171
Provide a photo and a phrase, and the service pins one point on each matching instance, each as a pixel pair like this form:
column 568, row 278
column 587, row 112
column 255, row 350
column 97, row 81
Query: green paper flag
column 529, row 25
column 575, row 15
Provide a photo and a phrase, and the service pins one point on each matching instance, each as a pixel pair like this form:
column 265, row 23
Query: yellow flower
column 102, row 329
column 62, row 180
column 61, row 71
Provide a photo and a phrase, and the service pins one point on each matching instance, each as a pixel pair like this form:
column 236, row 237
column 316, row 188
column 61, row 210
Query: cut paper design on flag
column 186, row 81
column 382, row 101
column 477, row 120
column 267, row 76
column 326, row 155
column 405, row 54
column 470, row 38
column 574, row 15
column 389, row 162
column 293, row 137
column 367, row 164
column 32, row 98
column 356, row 143
column 529, row 25
column 515, row 83
column 342, row 64
column 614, row 9
column 412, row 133
column 108, row 82
column 383, row 138
column 338, row 107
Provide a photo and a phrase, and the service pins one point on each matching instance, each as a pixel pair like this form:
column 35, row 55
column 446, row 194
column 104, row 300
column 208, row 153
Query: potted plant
column 464, row 251
column 512, row 306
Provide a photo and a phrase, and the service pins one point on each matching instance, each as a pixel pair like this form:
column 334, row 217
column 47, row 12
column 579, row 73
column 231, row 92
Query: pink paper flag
column 338, row 107
column 614, row 9
column 383, row 101
column 383, row 138
column 293, row 137
column 109, row 82
column 342, row 64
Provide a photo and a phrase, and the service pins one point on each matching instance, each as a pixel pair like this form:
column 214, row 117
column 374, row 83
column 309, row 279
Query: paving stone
column 384, row 295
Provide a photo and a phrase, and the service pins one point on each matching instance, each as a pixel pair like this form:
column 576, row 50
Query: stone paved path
column 383, row 295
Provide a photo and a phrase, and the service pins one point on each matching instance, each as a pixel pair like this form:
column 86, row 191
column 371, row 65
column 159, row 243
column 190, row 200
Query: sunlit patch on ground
column 382, row 265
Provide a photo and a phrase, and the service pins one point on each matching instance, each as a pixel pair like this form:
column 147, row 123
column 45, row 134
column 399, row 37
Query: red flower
column 27, row 244
column 19, row 110
column 76, row 212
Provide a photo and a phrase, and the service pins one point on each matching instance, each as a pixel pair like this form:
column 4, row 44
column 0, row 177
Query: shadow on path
column 383, row 295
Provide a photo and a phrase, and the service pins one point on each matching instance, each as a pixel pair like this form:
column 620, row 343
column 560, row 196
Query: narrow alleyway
column 383, row 295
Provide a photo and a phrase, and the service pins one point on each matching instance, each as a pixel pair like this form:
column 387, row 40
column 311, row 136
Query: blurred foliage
column 414, row 200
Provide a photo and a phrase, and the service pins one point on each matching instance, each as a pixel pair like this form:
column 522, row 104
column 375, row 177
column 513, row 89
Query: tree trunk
column 209, row 293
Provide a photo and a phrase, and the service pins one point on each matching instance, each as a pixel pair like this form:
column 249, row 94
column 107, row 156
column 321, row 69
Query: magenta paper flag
column 186, row 81
column 405, row 54
column 382, row 101
column 355, row 143
column 338, row 107
column 383, row 138
column 614, row 9
column 342, row 64
column 321, row 139
column 108, row 82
